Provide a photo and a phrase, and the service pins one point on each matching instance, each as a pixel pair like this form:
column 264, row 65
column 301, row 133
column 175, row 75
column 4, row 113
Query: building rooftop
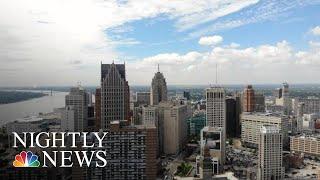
column 269, row 129
column 215, row 88
column 308, row 136
column 28, row 119
column 262, row 114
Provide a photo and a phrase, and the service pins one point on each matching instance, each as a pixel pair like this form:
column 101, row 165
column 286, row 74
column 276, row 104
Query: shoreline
column 10, row 97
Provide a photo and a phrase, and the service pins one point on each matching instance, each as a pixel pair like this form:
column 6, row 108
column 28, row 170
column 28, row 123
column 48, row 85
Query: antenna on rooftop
column 216, row 73
column 158, row 68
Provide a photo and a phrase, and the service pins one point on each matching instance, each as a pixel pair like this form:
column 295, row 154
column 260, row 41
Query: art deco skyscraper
column 248, row 99
column 270, row 154
column 158, row 89
column 114, row 94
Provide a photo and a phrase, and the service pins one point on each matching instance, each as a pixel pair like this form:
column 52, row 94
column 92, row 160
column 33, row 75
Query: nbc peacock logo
column 26, row 159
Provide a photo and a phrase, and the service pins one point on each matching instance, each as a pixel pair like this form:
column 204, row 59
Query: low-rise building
column 308, row 144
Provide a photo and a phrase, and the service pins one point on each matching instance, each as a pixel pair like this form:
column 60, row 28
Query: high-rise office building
column 310, row 105
column 248, row 99
column 77, row 98
column 91, row 118
column 97, row 108
column 284, row 99
column 186, row 94
column 196, row 122
column 173, row 127
column 68, row 115
column 213, row 138
column 287, row 102
column 233, row 128
column 277, row 93
column 270, row 154
column 216, row 117
column 251, row 124
column 150, row 115
column 259, row 102
column 143, row 98
column 131, row 153
column 158, row 89
column 115, row 95
column 216, row 107
column 137, row 115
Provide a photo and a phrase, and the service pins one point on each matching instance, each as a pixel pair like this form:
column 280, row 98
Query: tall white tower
column 78, row 99
column 270, row 154
column 216, row 107
column 216, row 117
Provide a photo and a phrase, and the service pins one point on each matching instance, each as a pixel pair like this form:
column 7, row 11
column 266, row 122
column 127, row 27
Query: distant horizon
column 169, row 85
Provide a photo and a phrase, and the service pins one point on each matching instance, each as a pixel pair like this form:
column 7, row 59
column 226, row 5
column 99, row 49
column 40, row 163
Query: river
column 11, row 112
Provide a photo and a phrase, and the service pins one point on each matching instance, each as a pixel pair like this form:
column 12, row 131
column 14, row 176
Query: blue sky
column 159, row 35
column 251, row 41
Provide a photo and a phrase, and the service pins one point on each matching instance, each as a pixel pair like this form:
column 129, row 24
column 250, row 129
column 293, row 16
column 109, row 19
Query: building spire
column 216, row 73
column 158, row 68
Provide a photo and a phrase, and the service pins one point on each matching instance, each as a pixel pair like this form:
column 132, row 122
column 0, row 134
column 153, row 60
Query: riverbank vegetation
column 17, row 96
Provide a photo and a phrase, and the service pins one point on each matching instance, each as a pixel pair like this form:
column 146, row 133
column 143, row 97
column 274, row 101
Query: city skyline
column 263, row 40
column 160, row 89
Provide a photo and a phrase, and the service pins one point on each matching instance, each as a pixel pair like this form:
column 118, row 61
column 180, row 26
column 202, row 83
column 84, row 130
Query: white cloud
column 261, row 11
column 36, row 34
column 261, row 64
column 234, row 45
column 210, row 40
column 316, row 31
column 59, row 42
column 210, row 10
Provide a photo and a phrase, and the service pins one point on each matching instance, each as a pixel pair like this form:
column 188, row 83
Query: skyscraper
column 233, row 128
column 259, row 102
column 158, row 89
column 115, row 95
column 186, row 94
column 68, row 115
column 131, row 153
column 150, row 115
column 251, row 124
column 97, row 108
column 77, row 98
column 248, row 99
column 213, row 138
column 216, row 107
column 270, row 154
column 143, row 98
column 286, row 99
column 173, row 127
column 216, row 117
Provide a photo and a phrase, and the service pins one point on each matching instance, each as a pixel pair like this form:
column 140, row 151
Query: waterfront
column 11, row 112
